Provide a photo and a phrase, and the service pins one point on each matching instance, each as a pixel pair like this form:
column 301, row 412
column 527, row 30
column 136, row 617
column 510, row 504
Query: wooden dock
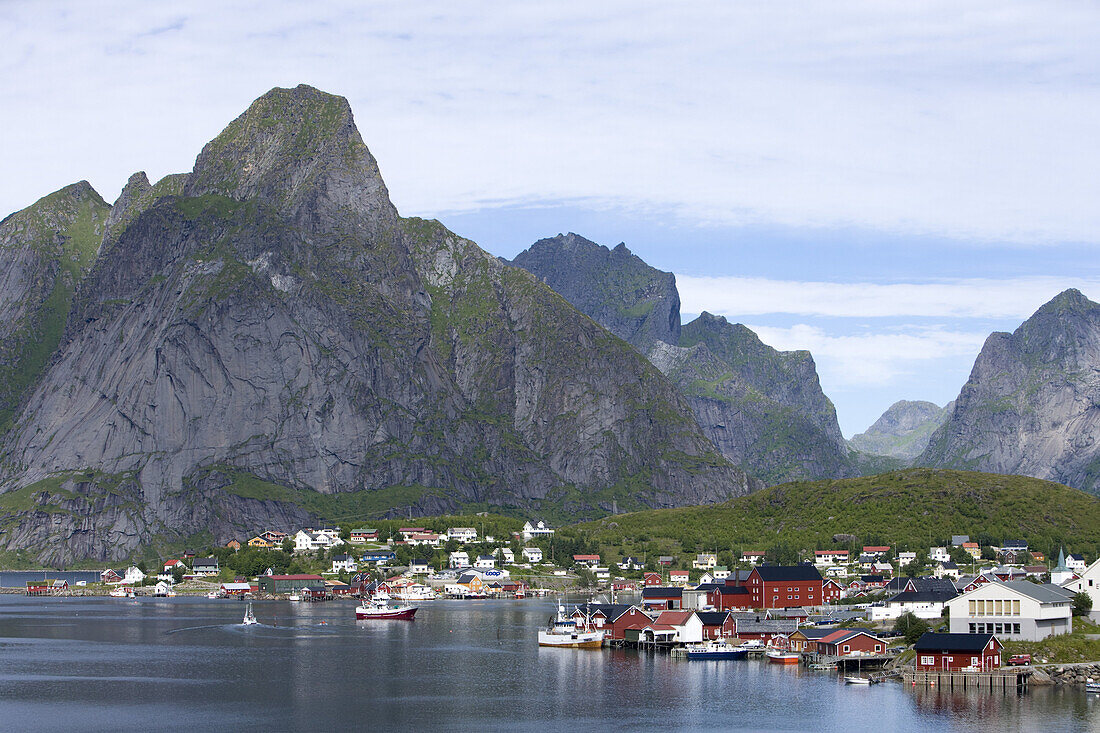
column 995, row 680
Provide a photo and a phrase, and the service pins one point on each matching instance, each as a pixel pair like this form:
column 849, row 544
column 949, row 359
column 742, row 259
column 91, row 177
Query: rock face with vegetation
column 614, row 287
column 903, row 430
column 1032, row 403
column 266, row 333
column 764, row 409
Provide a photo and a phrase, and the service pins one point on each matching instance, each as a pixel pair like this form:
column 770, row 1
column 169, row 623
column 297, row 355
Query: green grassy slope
column 907, row 509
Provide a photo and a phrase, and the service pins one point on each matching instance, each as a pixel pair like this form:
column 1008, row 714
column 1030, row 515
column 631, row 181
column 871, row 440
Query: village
column 952, row 609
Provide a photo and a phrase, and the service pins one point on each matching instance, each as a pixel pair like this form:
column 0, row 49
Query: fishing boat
column 118, row 593
column 781, row 656
column 562, row 632
column 715, row 649
column 249, row 617
column 378, row 607
column 414, row 592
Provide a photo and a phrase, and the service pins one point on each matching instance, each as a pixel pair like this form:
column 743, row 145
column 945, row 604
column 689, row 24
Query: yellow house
column 259, row 542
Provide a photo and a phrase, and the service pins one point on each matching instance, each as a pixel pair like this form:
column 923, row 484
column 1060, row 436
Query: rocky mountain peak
column 903, row 430
column 300, row 151
column 636, row 302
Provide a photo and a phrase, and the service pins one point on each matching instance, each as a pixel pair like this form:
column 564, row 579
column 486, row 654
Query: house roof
column 610, row 611
column 842, row 635
column 924, row 596
column 712, row 618
column 205, row 562
column 674, row 618
column 1046, row 593
column 787, row 573
column 654, row 591
column 932, row 642
column 299, row 576
column 813, row 634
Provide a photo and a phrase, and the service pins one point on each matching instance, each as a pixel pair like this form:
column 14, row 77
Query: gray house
column 1018, row 610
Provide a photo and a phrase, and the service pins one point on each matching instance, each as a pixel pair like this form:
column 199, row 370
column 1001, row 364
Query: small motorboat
column 294, row 597
column 856, row 680
column 249, row 617
column 118, row 593
column 562, row 632
column 1092, row 687
column 378, row 607
column 715, row 649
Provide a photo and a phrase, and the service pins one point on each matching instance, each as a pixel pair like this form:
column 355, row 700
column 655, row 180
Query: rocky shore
column 1067, row 674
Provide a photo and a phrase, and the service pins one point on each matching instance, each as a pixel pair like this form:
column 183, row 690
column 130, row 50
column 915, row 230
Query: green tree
column 1082, row 603
column 177, row 574
column 911, row 627
column 288, row 546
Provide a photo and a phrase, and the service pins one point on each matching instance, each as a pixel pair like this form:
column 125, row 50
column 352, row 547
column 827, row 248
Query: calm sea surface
column 186, row 664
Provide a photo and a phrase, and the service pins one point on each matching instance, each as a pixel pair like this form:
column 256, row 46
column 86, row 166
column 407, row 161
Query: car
column 1019, row 660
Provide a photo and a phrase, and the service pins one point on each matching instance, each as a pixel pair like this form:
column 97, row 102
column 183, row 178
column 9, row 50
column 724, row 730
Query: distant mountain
column 226, row 350
column 1032, row 403
column 763, row 408
column 903, row 430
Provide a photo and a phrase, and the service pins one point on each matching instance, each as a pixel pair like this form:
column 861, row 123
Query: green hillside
column 909, row 509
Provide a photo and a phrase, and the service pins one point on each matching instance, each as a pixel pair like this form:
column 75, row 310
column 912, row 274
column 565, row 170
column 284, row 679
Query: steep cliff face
column 763, row 409
column 614, row 287
column 763, row 405
column 45, row 251
column 268, row 326
column 1032, row 403
column 903, row 430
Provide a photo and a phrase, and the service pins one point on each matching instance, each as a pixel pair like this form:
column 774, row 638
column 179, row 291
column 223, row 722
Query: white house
column 753, row 557
column 462, row 534
column 538, row 529
column 922, row 597
column 1088, row 582
column 133, row 575
column 508, row 556
column 946, row 570
column 1076, row 563
column 344, row 564
column 485, row 562
column 721, row 572
column 418, row 566
column 302, row 541
column 424, row 538
column 532, row 554
column 706, row 578
column 830, row 557
column 939, row 554
column 205, row 566
column 458, row 559
column 601, row 573
column 882, row 568
column 904, row 558
column 629, row 563
column 1018, row 610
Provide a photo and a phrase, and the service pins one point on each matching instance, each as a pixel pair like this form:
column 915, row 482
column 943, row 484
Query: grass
column 913, row 508
column 1061, row 649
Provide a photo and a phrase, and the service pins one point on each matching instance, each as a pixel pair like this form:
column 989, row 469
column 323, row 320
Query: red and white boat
column 779, row 651
column 378, row 606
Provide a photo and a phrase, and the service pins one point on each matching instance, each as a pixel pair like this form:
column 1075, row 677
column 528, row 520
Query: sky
column 881, row 183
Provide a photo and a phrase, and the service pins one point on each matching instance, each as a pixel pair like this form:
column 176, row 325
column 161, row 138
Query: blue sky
column 881, row 183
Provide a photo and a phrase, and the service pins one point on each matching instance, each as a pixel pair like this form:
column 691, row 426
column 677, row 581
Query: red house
column 662, row 599
column 729, row 597
column 784, row 586
column 631, row 618
column 717, row 624
column 653, row 579
column 846, row 642
column 589, row 560
column 958, row 651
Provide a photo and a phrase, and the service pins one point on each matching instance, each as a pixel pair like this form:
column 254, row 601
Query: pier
column 995, row 680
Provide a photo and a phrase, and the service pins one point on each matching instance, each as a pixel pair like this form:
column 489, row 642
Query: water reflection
column 80, row 663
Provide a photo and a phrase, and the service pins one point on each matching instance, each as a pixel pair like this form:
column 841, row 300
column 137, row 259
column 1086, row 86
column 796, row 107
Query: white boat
column 378, row 607
column 562, row 632
column 294, row 597
column 249, row 617
column 856, row 680
column 118, row 593
column 213, row 594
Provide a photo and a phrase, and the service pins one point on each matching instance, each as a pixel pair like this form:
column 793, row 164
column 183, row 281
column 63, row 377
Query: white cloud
column 874, row 359
column 974, row 121
column 739, row 297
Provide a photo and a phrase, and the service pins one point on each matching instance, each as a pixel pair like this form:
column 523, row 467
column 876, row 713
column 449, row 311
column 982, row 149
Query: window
column 1015, row 628
column 972, row 604
column 973, row 661
column 1015, row 608
column 999, row 607
column 847, row 648
column 973, row 627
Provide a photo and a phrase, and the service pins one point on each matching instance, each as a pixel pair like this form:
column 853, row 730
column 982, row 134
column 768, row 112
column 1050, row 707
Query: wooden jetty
column 994, row 680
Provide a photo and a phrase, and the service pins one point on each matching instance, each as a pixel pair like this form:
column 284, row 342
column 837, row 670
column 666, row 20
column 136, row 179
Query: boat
column 857, row 680
column 213, row 595
column 781, row 656
column 1092, row 687
column 715, row 649
column 294, row 597
column 118, row 593
column 562, row 632
column 249, row 617
column 822, row 666
column 378, row 607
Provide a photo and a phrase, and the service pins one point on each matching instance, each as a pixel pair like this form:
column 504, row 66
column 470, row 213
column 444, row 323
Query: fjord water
column 187, row 664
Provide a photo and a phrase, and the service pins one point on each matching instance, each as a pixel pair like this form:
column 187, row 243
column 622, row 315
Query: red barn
column 631, row 618
column 958, row 651
column 831, row 591
column 784, row 586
